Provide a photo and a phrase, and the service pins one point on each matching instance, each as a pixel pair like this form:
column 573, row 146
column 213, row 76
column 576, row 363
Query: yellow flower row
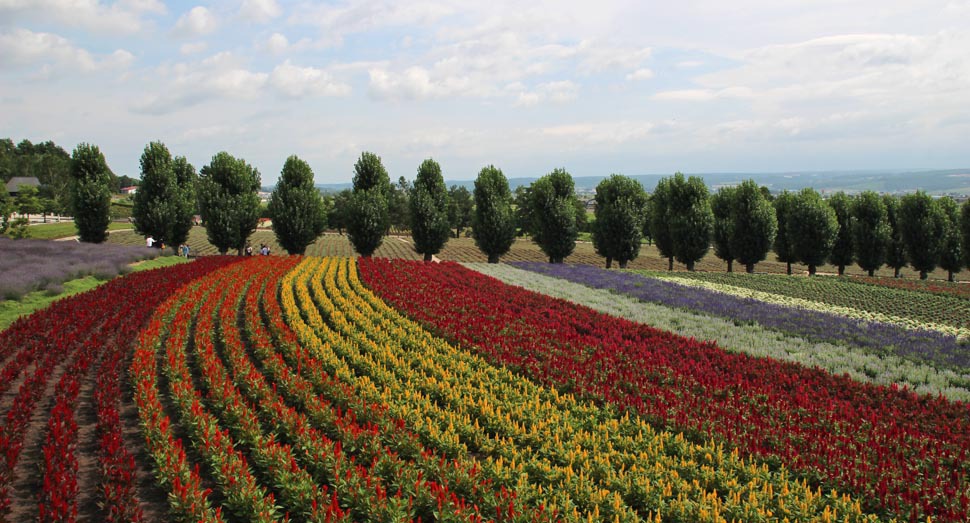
column 583, row 461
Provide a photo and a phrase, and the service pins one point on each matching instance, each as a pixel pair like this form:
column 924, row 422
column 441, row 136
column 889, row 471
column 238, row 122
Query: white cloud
column 600, row 133
column 298, row 82
column 193, row 48
column 197, row 22
column 703, row 95
column 24, row 48
column 277, row 43
column 220, row 76
column 558, row 92
column 640, row 74
column 125, row 16
column 260, row 11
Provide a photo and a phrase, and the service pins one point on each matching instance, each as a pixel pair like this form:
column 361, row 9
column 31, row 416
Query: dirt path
column 433, row 257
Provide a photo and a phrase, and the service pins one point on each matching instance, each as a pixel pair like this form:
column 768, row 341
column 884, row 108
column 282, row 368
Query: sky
column 595, row 87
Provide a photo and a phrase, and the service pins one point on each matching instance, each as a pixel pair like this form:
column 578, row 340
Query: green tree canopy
column 339, row 212
column 430, row 227
column 691, row 219
column 896, row 248
column 922, row 225
column 27, row 201
column 368, row 219
column 554, row 215
column 951, row 248
column 91, row 193
column 755, row 225
column 164, row 204
column 493, row 225
column 783, row 246
column 228, row 201
column 460, row 208
column 618, row 227
column 722, row 207
column 842, row 253
column 965, row 230
column 870, row 231
column 296, row 207
column 6, row 209
column 812, row 228
column 659, row 208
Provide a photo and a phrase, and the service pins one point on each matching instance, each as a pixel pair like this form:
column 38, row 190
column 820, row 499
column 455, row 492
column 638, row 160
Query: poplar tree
column 429, row 202
column 842, row 254
column 922, row 224
column 691, row 219
column 296, row 207
column 493, row 225
column 554, row 214
column 784, row 205
column 754, row 225
column 90, row 193
column 951, row 248
column 896, row 248
column 659, row 208
column 870, row 231
column 812, row 228
column 164, row 203
column 228, row 201
column 368, row 218
column 618, row 228
column 722, row 203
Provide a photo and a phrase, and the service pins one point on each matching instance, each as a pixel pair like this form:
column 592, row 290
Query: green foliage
column 460, row 208
column 783, row 246
column 812, row 227
column 896, row 248
column 842, row 253
column 369, row 173
column 27, row 201
column 367, row 220
column 296, row 207
column 870, row 231
column 619, row 215
column 165, row 201
column 965, row 230
column 922, row 224
column 46, row 161
column 660, row 219
column 553, row 215
column 228, row 201
column 494, row 223
column 399, row 205
column 430, row 227
column 523, row 213
column 19, row 229
column 690, row 221
column 6, row 209
column 722, row 206
column 90, row 193
column 339, row 211
column 951, row 248
column 754, row 224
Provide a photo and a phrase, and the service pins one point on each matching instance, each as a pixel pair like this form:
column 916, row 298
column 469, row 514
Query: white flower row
column 749, row 339
column 801, row 303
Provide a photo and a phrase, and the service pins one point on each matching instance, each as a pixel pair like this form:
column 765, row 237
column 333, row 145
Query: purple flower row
column 925, row 346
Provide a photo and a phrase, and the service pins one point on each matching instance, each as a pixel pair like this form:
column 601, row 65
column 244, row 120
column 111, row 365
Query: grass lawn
column 51, row 231
column 10, row 310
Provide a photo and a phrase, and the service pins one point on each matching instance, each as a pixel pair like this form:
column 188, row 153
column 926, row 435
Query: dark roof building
column 13, row 186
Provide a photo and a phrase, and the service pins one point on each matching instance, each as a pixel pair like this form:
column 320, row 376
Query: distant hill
column 938, row 181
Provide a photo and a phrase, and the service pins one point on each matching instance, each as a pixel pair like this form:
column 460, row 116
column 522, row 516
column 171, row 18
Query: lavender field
column 29, row 265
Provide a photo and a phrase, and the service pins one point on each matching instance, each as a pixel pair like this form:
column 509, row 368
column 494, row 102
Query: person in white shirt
column 149, row 241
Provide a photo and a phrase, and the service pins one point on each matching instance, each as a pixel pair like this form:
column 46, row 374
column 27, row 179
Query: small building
column 13, row 186
column 131, row 189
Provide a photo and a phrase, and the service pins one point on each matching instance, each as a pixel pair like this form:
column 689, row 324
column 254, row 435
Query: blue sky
column 595, row 87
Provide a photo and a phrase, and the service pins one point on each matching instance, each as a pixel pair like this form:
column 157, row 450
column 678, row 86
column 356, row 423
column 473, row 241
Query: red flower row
column 906, row 454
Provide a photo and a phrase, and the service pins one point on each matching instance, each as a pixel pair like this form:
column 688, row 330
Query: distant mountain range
column 933, row 181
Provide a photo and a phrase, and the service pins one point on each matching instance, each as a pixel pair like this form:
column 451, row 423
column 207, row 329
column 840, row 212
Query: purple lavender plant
column 884, row 338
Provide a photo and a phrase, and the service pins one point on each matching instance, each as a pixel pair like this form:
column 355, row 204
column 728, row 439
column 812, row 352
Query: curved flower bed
column 906, row 453
column 881, row 338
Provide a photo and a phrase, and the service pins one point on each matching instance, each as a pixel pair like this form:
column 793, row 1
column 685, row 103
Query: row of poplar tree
column 681, row 217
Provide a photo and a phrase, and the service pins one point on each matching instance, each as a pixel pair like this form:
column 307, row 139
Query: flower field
column 335, row 389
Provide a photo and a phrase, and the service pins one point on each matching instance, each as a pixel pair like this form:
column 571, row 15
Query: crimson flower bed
column 76, row 333
column 907, row 455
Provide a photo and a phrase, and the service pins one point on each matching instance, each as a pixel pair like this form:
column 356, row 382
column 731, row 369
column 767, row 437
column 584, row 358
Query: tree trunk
column 623, row 264
column 922, row 275
column 609, row 262
column 670, row 263
column 872, row 272
column 749, row 268
column 895, row 272
column 841, row 270
column 427, row 256
column 730, row 265
column 811, row 270
column 690, row 266
column 457, row 232
column 493, row 258
column 789, row 268
column 949, row 275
